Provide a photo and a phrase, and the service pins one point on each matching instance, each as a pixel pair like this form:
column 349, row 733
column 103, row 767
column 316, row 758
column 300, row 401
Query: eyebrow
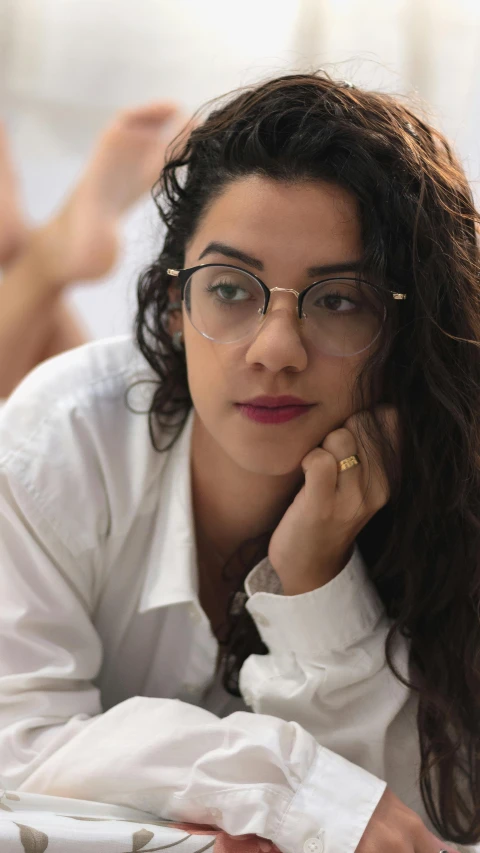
column 238, row 255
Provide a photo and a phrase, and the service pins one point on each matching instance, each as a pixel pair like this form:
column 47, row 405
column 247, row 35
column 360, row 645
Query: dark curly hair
column 419, row 231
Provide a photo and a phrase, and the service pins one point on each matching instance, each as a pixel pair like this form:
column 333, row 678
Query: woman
column 321, row 245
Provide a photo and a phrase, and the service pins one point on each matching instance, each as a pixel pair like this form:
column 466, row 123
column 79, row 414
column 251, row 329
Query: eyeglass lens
column 341, row 317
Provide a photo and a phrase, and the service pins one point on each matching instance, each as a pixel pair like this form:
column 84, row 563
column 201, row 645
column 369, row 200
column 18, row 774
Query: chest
column 217, row 584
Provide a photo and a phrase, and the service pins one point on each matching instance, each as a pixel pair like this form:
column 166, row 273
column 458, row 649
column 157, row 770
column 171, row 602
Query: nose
column 278, row 343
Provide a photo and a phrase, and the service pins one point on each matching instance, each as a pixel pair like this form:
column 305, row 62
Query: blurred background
column 66, row 66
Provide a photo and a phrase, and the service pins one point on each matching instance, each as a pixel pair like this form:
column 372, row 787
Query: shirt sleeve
column 326, row 668
column 246, row 773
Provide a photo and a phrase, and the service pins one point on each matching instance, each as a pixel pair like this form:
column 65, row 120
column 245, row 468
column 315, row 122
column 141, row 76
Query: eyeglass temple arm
column 177, row 274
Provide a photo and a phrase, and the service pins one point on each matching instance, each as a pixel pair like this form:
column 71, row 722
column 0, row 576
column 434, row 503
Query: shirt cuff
column 334, row 616
column 331, row 809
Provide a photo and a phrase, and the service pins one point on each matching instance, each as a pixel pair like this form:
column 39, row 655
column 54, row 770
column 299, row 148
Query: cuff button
column 313, row 845
column 215, row 813
column 261, row 620
column 248, row 698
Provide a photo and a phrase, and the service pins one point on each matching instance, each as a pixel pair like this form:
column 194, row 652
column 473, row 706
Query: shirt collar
column 171, row 575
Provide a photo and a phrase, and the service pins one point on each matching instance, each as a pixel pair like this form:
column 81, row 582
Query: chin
column 271, row 464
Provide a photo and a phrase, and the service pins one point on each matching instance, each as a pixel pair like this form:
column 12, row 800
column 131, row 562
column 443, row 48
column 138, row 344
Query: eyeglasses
column 340, row 316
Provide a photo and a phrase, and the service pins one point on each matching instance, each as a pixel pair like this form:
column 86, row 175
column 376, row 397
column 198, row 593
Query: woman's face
column 287, row 229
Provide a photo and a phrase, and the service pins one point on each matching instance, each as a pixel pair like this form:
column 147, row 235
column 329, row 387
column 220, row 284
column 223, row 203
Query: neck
column 230, row 503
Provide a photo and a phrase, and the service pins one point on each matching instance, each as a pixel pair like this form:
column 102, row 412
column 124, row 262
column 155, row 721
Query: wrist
column 320, row 575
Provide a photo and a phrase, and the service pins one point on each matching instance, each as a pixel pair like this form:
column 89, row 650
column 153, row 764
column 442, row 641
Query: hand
column 398, row 829
column 315, row 538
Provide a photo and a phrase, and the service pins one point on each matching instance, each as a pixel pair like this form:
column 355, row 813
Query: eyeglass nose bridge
column 285, row 290
column 282, row 290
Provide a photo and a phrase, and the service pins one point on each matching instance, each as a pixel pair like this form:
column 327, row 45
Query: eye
column 337, row 303
column 227, row 292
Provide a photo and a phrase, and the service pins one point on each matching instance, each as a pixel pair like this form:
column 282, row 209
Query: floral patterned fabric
column 35, row 823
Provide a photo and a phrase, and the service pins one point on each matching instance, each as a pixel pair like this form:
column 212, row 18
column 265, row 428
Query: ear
column 173, row 292
column 175, row 318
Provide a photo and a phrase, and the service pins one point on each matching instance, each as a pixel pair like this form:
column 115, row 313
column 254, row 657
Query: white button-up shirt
column 107, row 660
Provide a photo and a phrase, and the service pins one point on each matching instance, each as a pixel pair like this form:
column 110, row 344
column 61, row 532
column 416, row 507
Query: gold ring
column 347, row 463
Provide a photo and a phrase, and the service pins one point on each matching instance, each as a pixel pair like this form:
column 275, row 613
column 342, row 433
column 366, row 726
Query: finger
column 320, row 469
column 371, row 430
column 341, row 443
column 362, row 425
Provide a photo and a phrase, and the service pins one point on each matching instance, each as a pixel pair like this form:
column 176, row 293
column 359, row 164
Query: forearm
column 246, row 773
column 326, row 666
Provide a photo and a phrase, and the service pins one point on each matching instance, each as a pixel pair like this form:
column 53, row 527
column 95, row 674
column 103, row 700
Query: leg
column 67, row 333
column 50, row 331
column 13, row 228
column 79, row 243
column 125, row 163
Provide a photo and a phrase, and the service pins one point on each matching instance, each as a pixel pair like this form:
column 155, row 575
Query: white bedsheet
column 37, row 823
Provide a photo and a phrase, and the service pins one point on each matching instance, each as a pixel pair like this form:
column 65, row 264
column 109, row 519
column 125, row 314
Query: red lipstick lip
column 275, row 402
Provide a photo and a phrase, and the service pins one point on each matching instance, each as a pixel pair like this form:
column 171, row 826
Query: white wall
column 67, row 65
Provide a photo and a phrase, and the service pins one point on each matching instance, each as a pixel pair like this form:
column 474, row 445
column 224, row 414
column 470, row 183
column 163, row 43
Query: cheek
column 337, row 378
column 209, row 378
column 339, row 388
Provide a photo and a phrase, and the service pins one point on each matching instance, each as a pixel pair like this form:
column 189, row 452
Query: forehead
column 310, row 221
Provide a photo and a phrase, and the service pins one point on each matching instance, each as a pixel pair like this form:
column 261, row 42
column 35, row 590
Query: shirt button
column 215, row 813
column 248, row 698
column 194, row 614
column 261, row 620
column 313, row 845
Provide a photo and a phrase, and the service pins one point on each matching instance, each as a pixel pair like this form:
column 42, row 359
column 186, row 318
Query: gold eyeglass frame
column 184, row 275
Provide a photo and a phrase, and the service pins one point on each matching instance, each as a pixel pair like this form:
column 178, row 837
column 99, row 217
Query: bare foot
column 82, row 240
column 13, row 229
